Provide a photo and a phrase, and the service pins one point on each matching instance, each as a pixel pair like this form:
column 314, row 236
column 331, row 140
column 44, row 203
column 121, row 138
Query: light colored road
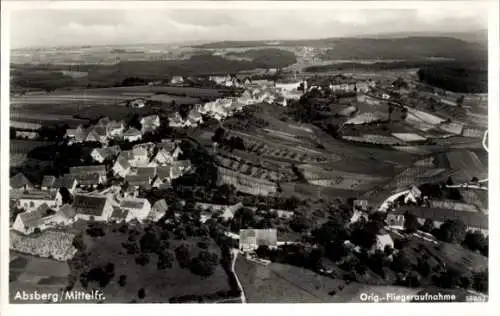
column 234, row 255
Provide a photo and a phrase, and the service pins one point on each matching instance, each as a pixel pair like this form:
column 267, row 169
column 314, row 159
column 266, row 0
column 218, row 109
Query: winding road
column 234, row 255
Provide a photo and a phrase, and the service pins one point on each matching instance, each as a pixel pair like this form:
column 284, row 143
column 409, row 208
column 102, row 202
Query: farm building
column 89, row 175
column 246, row 183
column 89, row 206
column 251, row 239
column 20, row 182
column 67, row 181
column 27, row 222
column 31, row 200
column 475, row 221
column 137, row 209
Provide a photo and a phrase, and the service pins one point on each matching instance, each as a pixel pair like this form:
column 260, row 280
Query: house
column 150, row 123
column 48, row 182
column 78, row 135
column 137, row 209
column 20, row 182
column 83, row 174
column 474, row 221
column 220, row 79
column 115, row 129
column 195, row 116
column 31, row 200
column 63, row 217
column 140, row 157
column 67, row 181
column 360, row 205
column 132, row 135
column 101, row 154
column 145, row 171
column 138, row 181
column 87, row 206
column 395, row 220
column 158, row 210
column 227, row 211
column 251, row 239
column 118, row 215
column 383, row 241
column 121, row 167
column 163, row 157
column 97, row 134
column 27, row 222
column 27, row 134
column 137, row 103
column 177, row 80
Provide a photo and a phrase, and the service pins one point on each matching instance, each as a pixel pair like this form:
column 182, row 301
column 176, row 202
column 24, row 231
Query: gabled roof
column 122, row 161
column 34, row 195
column 138, row 180
column 19, row 181
column 88, row 178
column 146, row 171
column 100, row 169
column 119, row 214
column 48, row 181
column 132, row 132
column 473, row 219
column 163, row 171
column 36, row 217
column 67, row 211
column 87, row 204
column 66, row 181
column 132, row 203
column 160, row 205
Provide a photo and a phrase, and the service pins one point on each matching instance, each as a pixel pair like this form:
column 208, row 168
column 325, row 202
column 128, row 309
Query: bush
column 122, row 281
column 183, row 255
column 202, row 245
column 204, row 264
column 142, row 259
column 141, row 293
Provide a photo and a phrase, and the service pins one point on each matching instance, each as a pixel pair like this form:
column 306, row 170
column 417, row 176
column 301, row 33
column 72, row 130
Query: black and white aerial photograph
column 247, row 154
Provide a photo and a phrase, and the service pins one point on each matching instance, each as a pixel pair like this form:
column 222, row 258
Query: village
column 130, row 172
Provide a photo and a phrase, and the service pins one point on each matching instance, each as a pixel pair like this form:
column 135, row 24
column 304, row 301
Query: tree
column 480, row 281
column 184, row 111
column 219, row 135
column 411, row 223
column 122, row 281
column 401, row 263
column 428, row 226
column 299, row 223
column 183, row 255
column 476, row 241
column 142, row 259
column 204, row 264
column 452, row 231
column 78, row 243
column 141, row 293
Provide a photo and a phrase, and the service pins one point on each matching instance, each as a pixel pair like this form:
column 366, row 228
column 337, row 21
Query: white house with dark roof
column 138, row 209
column 101, row 154
column 89, row 175
column 132, row 135
column 150, row 123
column 64, row 216
column 382, row 241
column 121, row 167
column 67, row 181
column 158, row 210
column 31, row 200
column 87, row 206
column 27, row 222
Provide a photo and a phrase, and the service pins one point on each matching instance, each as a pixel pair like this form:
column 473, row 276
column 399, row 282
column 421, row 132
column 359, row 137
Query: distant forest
column 463, row 79
column 49, row 77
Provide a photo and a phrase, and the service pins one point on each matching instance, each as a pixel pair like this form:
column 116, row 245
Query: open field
column 468, row 164
column 30, row 273
column 160, row 285
column 19, row 146
column 280, row 283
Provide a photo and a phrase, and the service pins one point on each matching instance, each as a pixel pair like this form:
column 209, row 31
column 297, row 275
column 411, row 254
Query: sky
column 46, row 28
